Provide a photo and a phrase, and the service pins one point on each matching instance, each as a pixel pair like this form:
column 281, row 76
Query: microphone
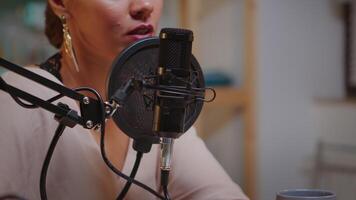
column 149, row 106
column 157, row 89
column 174, row 70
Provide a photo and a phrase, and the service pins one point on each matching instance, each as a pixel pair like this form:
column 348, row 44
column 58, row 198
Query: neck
column 93, row 71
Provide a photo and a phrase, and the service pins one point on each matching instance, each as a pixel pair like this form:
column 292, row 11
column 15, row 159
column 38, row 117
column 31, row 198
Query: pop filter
column 140, row 61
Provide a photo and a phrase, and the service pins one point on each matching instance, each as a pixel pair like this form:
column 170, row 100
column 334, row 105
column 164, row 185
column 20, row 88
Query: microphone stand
column 89, row 107
column 67, row 117
column 91, row 116
column 92, row 113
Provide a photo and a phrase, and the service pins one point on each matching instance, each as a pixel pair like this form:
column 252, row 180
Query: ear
column 59, row 8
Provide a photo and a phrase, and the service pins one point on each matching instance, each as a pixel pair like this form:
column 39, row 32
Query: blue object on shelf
column 33, row 15
column 217, row 79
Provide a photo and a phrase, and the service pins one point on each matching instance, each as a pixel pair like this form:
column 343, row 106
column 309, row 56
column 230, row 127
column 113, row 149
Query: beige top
column 77, row 170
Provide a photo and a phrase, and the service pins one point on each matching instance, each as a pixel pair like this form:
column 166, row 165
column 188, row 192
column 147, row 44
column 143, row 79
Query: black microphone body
column 174, row 70
column 158, row 100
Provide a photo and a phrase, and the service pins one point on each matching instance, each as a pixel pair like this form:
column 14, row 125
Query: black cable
column 23, row 104
column 164, row 183
column 119, row 173
column 31, row 106
column 59, row 132
column 50, row 151
column 18, row 100
column 55, row 139
column 103, row 152
column 166, row 194
column 4, row 86
column 47, row 160
column 132, row 175
column 11, row 196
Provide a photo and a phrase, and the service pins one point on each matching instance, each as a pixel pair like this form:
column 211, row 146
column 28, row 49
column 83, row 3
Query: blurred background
column 285, row 116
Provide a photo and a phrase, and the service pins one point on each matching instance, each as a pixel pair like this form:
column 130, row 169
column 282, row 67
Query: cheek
column 159, row 7
column 103, row 24
column 108, row 17
column 111, row 16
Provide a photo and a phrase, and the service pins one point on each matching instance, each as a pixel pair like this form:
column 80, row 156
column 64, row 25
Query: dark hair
column 53, row 28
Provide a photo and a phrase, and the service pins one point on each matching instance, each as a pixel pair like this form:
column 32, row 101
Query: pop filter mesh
column 138, row 61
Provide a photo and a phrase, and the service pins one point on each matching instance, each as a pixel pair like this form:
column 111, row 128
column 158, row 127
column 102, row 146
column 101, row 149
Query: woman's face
column 108, row 26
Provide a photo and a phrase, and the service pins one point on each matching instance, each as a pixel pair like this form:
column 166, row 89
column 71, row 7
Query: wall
column 335, row 123
column 218, row 42
column 299, row 46
column 170, row 15
column 22, row 40
column 219, row 47
column 219, row 37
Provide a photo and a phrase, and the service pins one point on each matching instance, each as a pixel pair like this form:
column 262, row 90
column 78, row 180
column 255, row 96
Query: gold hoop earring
column 68, row 45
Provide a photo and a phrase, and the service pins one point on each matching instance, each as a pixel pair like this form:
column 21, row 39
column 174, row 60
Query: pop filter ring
column 134, row 121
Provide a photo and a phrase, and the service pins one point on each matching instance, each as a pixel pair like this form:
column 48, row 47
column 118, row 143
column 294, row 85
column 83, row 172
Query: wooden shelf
column 224, row 108
column 216, row 114
column 228, row 97
column 230, row 100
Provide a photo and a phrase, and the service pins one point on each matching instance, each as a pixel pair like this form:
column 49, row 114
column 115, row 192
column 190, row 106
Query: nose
column 141, row 9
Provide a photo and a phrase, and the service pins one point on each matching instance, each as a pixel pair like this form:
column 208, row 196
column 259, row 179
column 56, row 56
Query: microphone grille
column 175, row 48
column 177, row 34
column 140, row 61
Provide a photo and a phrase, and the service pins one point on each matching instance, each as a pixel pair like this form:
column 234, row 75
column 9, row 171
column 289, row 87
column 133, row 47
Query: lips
column 142, row 30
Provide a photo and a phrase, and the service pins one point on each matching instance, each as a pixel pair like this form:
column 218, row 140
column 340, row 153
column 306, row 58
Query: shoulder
column 11, row 108
column 15, row 118
column 26, row 133
column 28, row 85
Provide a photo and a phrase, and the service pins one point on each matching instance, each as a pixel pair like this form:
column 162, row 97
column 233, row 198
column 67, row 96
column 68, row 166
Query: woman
column 90, row 34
